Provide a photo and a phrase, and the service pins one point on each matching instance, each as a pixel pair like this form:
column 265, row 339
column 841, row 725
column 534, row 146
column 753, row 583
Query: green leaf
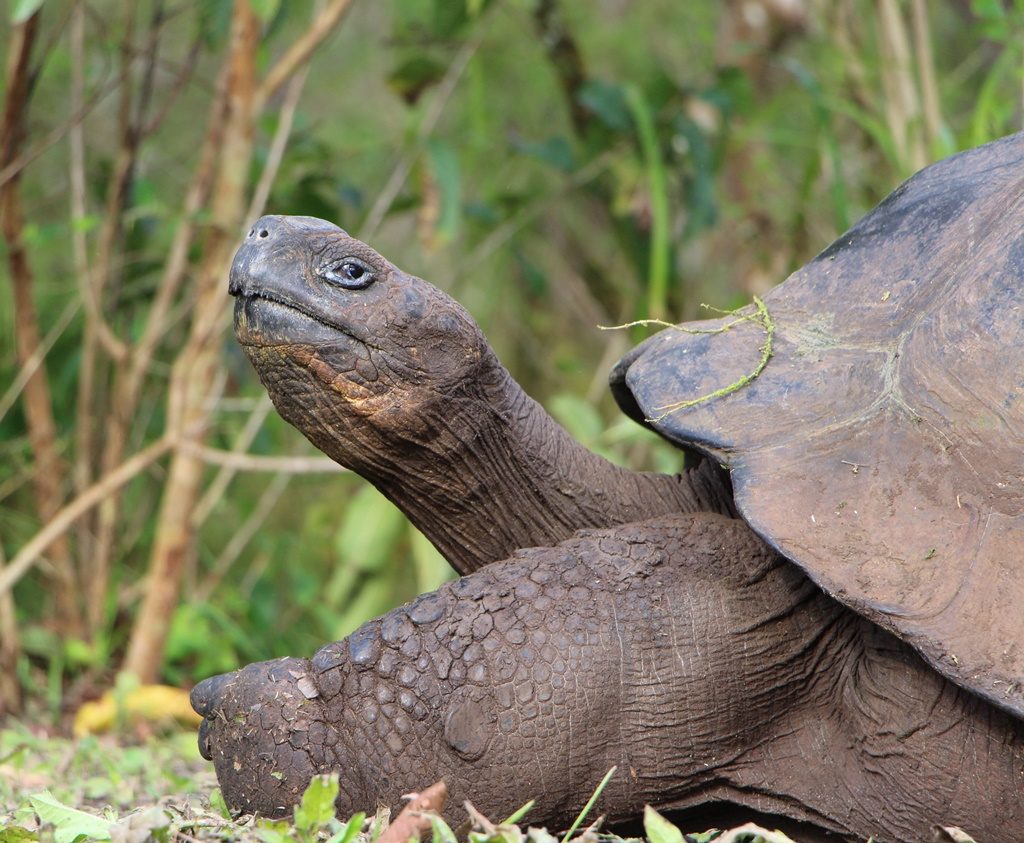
column 522, row 812
column 17, row 834
column 577, row 416
column 265, row 10
column 449, row 17
column 213, row 22
column 317, row 806
column 274, row 831
column 348, row 832
column 22, row 10
column 607, row 102
column 555, row 152
column 432, row 569
column 440, row 831
column 69, row 823
column 218, row 804
column 414, row 75
column 658, row 829
column 365, row 541
column 444, row 164
column 658, row 252
column 378, row 823
column 590, row 804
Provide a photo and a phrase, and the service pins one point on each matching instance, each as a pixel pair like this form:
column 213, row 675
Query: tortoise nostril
column 206, row 696
column 264, row 233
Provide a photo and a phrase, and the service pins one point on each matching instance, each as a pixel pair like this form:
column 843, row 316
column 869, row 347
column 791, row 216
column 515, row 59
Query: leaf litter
column 100, row 789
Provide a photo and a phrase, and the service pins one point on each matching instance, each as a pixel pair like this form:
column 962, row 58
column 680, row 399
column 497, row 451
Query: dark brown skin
column 680, row 649
column 393, row 379
column 672, row 642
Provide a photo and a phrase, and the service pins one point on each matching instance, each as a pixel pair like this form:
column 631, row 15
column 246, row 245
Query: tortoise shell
column 881, row 446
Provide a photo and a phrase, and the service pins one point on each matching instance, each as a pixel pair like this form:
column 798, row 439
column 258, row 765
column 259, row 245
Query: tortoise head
column 360, row 356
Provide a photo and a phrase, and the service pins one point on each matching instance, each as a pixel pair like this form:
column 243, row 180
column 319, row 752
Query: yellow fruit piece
column 147, row 703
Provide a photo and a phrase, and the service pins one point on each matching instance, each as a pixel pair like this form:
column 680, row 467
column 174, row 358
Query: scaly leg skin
column 680, row 649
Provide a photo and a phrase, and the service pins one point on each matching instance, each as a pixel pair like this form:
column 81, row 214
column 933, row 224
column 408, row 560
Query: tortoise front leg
column 679, row 649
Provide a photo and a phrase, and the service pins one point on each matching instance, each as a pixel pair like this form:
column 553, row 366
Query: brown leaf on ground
column 413, row 820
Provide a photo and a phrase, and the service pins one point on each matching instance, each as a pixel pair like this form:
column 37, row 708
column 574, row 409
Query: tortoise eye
column 350, row 273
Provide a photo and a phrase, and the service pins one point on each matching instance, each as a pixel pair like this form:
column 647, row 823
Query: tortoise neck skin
column 392, row 378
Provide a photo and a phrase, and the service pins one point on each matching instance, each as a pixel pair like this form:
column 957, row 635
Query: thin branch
column 156, row 22
column 243, row 535
column 31, row 552
column 13, row 168
column 277, row 147
column 177, row 85
column 390, row 191
column 10, row 651
column 85, row 416
column 35, row 360
column 243, row 440
column 256, row 462
column 299, row 52
column 177, row 263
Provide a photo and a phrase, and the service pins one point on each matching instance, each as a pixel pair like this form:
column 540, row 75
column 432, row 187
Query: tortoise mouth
column 264, row 319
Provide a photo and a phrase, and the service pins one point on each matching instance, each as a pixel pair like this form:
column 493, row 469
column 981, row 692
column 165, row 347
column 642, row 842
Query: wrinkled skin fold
column 680, row 649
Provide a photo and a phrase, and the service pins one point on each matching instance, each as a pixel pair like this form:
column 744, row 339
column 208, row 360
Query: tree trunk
column 194, row 373
column 48, row 477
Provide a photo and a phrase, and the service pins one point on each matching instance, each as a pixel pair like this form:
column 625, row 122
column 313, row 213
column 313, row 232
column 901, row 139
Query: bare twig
column 10, row 650
column 177, row 85
column 30, row 366
column 244, row 439
column 299, row 52
column 255, row 462
column 85, row 424
column 390, row 191
column 285, row 119
column 243, row 535
column 14, row 167
column 31, row 552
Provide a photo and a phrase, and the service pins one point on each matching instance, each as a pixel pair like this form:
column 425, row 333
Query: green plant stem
column 658, row 259
column 590, row 804
column 763, row 316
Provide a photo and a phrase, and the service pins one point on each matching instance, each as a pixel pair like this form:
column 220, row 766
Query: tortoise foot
column 266, row 732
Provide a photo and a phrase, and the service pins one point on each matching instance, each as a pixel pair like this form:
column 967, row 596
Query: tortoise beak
column 205, row 699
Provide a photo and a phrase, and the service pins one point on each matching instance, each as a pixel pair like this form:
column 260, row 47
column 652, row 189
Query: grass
column 159, row 789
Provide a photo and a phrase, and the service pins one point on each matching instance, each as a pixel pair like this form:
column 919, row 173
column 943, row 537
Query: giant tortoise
column 823, row 620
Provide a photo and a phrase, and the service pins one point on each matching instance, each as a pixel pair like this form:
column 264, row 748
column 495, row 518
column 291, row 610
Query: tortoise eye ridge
column 350, row 273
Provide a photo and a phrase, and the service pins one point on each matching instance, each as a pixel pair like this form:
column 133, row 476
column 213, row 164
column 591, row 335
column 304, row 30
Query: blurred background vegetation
column 554, row 164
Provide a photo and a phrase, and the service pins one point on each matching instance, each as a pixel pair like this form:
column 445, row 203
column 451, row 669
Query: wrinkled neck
column 496, row 473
